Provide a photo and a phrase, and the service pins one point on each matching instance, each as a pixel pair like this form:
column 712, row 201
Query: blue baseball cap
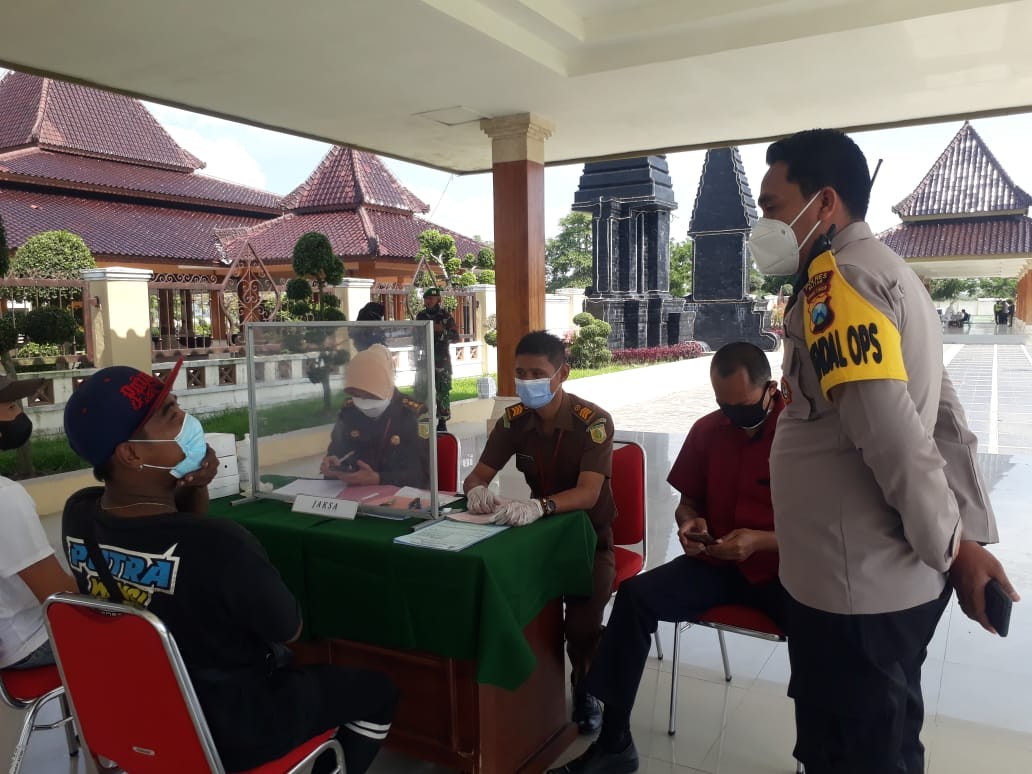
column 110, row 406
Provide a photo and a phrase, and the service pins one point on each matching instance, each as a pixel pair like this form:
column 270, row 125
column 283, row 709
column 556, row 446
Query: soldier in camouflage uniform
column 445, row 333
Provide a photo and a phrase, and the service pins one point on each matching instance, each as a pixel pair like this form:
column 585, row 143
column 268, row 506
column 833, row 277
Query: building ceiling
column 411, row 78
column 969, row 267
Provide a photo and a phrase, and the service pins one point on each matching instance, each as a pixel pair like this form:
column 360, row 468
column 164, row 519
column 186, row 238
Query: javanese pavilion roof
column 354, row 200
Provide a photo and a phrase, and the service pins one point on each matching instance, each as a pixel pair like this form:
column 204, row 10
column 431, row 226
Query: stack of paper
column 449, row 535
column 317, row 487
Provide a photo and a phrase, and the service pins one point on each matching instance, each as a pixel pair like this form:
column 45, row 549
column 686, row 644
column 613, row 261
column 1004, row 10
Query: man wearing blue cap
column 207, row 579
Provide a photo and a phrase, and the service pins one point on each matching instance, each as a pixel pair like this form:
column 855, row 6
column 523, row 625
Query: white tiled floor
column 978, row 688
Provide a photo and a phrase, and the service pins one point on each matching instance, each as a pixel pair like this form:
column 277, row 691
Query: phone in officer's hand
column 998, row 607
column 346, row 464
column 700, row 537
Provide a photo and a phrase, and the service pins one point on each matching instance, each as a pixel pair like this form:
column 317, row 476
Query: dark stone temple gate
column 723, row 214
column 630, row 201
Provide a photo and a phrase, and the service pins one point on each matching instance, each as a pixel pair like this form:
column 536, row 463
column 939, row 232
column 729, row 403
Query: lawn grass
column 465, row 387
column 51, row 454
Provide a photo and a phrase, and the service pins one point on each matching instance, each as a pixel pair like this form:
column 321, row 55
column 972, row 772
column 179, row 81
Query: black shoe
column 442, row 426
column 595, row 760
column 587, row 713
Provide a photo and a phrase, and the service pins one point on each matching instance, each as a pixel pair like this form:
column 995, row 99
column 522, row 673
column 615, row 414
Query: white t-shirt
column 22, row 544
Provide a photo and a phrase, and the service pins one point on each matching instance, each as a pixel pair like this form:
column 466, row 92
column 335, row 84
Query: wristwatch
column 547, row 506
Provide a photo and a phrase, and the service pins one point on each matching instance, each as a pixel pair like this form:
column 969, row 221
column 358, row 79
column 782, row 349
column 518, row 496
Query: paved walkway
column 994, row 382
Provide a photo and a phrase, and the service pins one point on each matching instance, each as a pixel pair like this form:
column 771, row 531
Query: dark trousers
column 361, row 703
column 856, row 682
column 295, row 705
column 582, row 619
column 677, row 591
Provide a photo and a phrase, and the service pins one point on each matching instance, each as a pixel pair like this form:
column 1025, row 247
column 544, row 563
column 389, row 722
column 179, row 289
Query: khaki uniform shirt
column 873, row 485
column 581, row 441
column 396, row 444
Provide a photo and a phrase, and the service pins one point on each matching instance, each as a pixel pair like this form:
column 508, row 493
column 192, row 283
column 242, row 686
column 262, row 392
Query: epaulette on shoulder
column 584, row 413
column 414, row 405
column 516, row 411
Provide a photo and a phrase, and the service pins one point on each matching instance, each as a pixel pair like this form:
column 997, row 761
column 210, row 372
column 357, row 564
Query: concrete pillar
column 575, row 303
column 486, row 306
column 354, row 293
column 121, row 316
column 518, row 166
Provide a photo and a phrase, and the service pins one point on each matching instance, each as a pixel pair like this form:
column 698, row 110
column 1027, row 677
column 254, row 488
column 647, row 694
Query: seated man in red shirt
column 724, row 480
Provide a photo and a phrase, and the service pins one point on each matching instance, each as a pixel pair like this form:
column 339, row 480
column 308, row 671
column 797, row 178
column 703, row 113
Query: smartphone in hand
column 700, row 537
column 998, row 607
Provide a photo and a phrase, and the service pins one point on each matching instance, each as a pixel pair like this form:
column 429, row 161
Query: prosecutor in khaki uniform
column 879, row 506
column 564, row 448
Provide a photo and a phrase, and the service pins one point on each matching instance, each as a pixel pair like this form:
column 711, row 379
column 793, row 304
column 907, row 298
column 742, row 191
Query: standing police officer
column 879, row 506
column 445, row 333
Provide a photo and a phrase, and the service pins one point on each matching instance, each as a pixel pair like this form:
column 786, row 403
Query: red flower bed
column 684, row 351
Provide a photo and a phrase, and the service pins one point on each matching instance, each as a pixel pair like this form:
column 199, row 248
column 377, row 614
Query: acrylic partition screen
column 345, row 411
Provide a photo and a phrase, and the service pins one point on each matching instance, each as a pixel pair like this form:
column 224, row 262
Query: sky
column 278, row 162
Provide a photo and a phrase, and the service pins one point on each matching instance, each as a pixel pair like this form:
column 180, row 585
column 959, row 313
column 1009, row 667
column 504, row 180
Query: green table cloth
column 354, row 583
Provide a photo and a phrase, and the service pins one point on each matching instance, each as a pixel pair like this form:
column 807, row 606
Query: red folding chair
column 629, row 528
column 107, row 651
column 448, row 463
column 30, row 690
column 737, row 619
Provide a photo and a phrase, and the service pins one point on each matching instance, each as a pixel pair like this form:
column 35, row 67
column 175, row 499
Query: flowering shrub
column 684, row 351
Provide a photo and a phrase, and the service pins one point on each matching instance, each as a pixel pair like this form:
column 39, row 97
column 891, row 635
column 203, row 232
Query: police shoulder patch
column 849, row 339
column 584, row 413
column 598, row 432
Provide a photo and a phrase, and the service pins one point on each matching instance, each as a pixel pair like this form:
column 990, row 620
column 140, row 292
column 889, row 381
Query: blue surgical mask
column 193, row 444
column 535, row 393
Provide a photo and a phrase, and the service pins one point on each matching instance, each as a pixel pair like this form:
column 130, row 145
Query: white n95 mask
column 773, row 245
column 371, row 407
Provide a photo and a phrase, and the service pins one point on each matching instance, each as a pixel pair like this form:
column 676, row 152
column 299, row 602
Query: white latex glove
column 480, row 499
column 520, row 513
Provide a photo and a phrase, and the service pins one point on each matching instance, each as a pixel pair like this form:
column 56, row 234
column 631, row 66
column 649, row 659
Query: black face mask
column 15, row 432
column 749, row 415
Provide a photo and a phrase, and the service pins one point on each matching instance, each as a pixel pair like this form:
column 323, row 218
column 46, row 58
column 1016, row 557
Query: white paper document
column 317, row 487
column 472, row 518
column 449, row 535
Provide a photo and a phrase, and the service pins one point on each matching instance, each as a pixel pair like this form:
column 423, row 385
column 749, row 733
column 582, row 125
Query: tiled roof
column 347, row 178
column 78, row 119
column 966, row 180
column 353, row 234
column 1005, row 235
column 398, row 234
column 117, row 228
column 724, row 201
column 41, row 165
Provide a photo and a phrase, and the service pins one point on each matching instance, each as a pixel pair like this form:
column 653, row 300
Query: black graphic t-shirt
column 211, row 583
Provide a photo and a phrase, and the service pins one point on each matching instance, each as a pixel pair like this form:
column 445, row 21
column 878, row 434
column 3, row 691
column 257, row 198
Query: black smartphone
column 701, row 537
column 998, row 607
column 346, row 464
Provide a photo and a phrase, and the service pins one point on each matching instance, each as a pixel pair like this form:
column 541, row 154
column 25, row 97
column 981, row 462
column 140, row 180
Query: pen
column 370, row 496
